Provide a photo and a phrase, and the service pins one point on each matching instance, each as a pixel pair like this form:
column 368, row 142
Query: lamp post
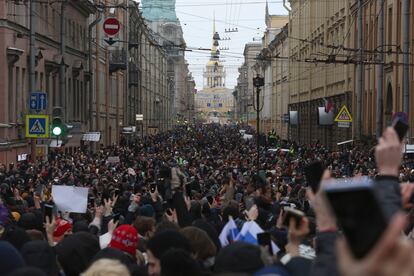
column 258, row 82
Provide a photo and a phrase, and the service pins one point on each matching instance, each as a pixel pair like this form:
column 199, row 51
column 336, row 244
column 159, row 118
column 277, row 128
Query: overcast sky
column 196, row 17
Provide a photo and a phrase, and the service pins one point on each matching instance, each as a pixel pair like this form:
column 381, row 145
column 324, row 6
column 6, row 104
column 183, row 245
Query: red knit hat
column 125, row 238
column 62, row 226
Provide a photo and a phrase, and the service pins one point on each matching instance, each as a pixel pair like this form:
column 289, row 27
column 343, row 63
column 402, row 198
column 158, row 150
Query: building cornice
column 40, row 37
column 85, row 7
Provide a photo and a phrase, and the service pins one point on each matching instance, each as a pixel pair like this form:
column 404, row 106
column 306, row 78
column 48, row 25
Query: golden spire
column 214, row 44
column 215, row 53
column 214, row 22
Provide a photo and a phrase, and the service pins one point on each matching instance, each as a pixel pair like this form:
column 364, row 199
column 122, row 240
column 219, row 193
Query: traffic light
column 58, row 127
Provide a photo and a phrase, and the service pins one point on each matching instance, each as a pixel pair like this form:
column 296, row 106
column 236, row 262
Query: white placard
column 92, row 136
column 55, row 143
column 344, row 124
column 22, row 157
column 70, row 199
column 113, row 160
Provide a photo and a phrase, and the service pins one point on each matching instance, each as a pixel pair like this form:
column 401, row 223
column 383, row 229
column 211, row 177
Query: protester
column 192, row 201
column 106, row 267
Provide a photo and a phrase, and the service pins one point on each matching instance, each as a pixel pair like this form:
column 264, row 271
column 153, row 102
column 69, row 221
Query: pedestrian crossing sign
column 37, row 126
column 344, row 116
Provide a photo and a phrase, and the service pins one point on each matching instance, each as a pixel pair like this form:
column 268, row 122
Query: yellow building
column 392, row 82
column 274, row 25
column 280, row 83
column 215, row 100
column 315, row 28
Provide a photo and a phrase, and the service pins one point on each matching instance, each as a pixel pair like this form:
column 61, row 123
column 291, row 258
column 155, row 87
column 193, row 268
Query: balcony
column 117, row 60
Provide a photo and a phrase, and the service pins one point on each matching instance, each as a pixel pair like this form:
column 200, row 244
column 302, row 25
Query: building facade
column 315, row 27
column 109, row 64
column 280, row 83
column 191, row 92
column 274, row 24
column 148, row 86
column 392, row 99
column 67, row 89
column 98, row 86
column 245, row 89
column 215, row 100
column 240, row 106
column 166, row 28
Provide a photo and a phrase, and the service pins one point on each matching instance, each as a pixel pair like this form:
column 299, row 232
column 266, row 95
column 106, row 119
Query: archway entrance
column 388, row 105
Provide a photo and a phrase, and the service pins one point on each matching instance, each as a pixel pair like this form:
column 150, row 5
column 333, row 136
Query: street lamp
column 258, row 82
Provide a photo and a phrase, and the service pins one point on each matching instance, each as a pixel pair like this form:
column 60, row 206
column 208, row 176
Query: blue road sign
column 38, row 101
column 37, row 126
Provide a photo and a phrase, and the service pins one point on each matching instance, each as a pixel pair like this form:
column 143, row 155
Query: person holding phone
column 298, row 229
column 388, row 156
column 392, row 255
column 380, row 260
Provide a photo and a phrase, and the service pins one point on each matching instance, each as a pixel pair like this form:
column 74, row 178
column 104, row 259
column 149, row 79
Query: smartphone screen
column 401, row 129
column 116, row 217
column 400, row 124
column 263, row 239
column 292, row 213
column 48, row 211
column 313, row 174
column 153, row 187
column 358, row 213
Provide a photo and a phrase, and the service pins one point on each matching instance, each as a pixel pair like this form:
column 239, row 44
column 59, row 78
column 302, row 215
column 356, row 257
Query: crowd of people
column 158, row 206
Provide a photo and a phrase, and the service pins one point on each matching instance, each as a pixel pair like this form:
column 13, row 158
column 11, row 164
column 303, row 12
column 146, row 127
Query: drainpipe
column 90, row 29
column 62, row 69
column 360, row 71
column 32, row 69
column 380, row 70
column 406, row 54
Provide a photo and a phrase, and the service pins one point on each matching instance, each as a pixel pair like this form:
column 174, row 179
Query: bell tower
column 214, row 74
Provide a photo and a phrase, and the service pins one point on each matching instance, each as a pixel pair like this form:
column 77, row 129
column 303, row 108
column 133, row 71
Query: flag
column 249, row 233
column 329, row 106
column 229, row 233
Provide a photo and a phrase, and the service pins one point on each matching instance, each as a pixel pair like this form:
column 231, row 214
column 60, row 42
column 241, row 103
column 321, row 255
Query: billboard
column 325, row 118
column 293, row 117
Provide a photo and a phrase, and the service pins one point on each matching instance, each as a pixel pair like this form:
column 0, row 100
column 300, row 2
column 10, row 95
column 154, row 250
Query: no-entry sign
column 111, row 26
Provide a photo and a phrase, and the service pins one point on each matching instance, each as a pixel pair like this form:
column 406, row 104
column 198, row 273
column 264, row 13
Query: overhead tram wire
column 225, row 18
column 238, row 17
column 314, row 60
column 199, row 3
column 230, row 14
column 329, row 46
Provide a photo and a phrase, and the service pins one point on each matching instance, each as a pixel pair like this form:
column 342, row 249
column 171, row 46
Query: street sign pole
column 36, row 125
column 111, row 27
